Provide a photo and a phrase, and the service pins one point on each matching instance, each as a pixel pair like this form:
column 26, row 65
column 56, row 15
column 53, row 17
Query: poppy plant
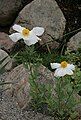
column 62, row 68
column 29, row 36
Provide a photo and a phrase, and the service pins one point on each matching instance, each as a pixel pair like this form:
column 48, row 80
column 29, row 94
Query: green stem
column 59, row 84
column 59, row 97
column 71, row 32
column 31, row 69
column 48, row 48
column 65, row 35
column 69, row 97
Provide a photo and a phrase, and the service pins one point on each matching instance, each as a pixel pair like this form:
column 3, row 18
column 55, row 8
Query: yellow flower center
column 64, row 64
column 25, row 32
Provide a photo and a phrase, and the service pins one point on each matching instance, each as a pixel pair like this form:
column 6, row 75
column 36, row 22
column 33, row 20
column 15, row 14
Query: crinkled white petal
column 60, row 72
column 55, row 65
column 69, row 71
column 71, row 66
column 28, row 42
column 31, row 39
column 38, row 31
column 15, row 37
column 18, row 28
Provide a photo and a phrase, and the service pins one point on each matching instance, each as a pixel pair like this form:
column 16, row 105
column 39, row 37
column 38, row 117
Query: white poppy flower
column 29, row 37
column 62, row 68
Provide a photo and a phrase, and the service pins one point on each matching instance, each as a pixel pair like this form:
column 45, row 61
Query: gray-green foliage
column 28, row 55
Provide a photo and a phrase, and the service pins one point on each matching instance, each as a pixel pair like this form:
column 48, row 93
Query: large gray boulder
column 9, row 10
column 20, row 87
column 45, row 13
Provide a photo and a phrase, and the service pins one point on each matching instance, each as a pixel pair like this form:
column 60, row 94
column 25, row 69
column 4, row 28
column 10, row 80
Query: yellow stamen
column 25, row 32
column 64, row 64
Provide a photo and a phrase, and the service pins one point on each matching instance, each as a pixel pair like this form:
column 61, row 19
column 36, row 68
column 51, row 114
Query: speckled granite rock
column 19, row 77
column 75, row 42
column 20, row 85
